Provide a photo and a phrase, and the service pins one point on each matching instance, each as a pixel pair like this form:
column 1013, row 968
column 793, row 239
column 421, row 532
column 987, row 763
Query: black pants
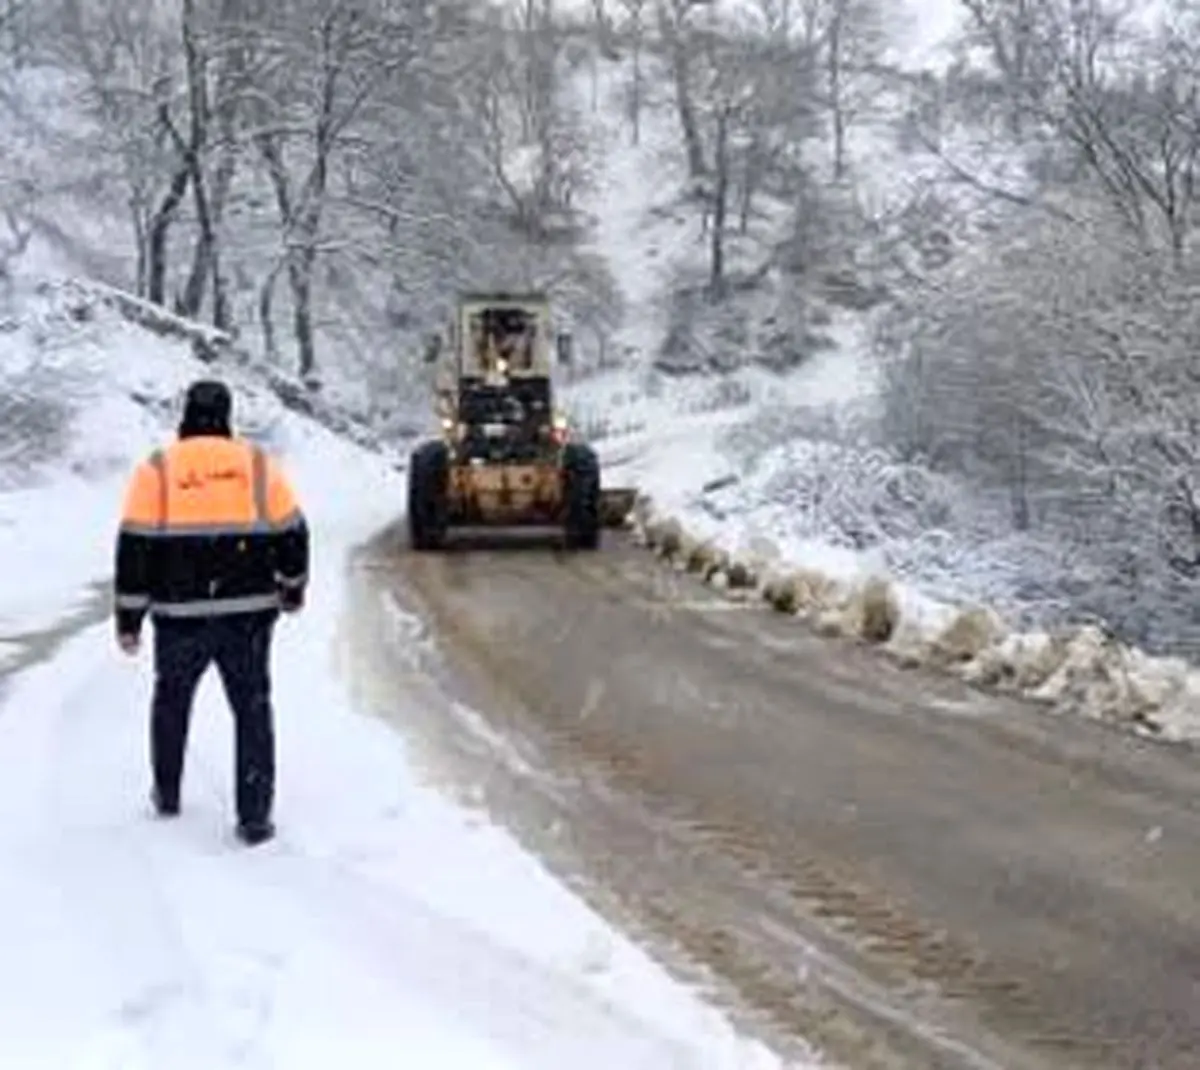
column 240, row 644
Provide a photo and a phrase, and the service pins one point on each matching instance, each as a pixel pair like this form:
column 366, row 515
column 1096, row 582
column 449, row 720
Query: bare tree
column 781, row 104
column 752, row 93
column 338, row 166
column 130, row 60
column 850, row 37
column 677, row 25
column 223, row 42
column 534, row 143
column 192, row 148
column 635, row 33
column 328, row 74
column 1087, row 83
column 1051, row 365
column 726, row 95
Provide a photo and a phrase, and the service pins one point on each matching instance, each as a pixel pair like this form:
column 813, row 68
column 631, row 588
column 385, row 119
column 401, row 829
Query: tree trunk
column 233, row 82
column 138, row 220
column 636, row 103
column 206, row 259
column 193, row 151
column 266, row 301
column 302, row 256
column 299, row 254
column 158, row 232
column 221, row 317
column 720, row 199
column 191, row 300
column 272, row 154
column 836, row 104
column 300, row 275
column 684, row 106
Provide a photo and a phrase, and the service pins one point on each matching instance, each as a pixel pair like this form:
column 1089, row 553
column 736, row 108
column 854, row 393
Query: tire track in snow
column 545, row 1018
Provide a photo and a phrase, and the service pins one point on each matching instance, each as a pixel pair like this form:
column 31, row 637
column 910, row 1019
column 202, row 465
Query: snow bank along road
column 907, row 872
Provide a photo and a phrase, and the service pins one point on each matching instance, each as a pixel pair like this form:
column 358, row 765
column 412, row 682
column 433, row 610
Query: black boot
column 252, row 833
column 164, row 806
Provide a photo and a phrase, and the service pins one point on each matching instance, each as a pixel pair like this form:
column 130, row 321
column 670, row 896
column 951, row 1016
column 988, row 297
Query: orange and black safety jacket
column 210, row 525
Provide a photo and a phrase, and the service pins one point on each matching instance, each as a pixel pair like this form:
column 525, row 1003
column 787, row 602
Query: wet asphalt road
column 909, row 873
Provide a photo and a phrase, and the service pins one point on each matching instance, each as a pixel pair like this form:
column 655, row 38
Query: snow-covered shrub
column 858, row 498
column 726, row 393
column 35, row 424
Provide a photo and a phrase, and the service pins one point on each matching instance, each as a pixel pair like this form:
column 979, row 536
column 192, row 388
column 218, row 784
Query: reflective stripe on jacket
column 209, row 525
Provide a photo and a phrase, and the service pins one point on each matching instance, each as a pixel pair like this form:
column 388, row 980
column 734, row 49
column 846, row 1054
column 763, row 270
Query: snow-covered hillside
column 799, row 461
column 361, row 935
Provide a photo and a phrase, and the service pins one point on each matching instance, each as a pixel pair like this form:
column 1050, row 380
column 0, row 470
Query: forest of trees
column 305, row 170
column 298, row 170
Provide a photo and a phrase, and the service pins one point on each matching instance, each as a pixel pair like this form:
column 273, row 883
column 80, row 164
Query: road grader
column 506, row 457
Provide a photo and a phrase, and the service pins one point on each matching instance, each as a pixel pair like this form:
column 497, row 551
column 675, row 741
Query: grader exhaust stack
column 506, row 456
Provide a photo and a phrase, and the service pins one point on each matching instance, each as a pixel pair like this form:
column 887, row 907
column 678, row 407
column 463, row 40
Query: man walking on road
column 212, row 545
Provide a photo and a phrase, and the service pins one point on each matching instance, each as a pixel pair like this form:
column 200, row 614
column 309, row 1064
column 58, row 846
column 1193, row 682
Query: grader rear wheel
column 428, row 469
column 581, row 486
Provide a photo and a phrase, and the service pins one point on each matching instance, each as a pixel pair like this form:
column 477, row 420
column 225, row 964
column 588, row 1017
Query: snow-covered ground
column 635, row 226
column 364, row 934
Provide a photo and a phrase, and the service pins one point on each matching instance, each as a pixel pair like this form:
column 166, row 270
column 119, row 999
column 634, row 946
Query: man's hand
column 291, row 591
column 129, row 644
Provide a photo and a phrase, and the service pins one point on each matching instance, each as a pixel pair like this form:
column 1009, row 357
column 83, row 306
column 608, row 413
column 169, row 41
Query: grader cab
column 505, row 457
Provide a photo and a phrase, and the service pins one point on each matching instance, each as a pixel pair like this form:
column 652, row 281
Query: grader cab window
column 507, row 335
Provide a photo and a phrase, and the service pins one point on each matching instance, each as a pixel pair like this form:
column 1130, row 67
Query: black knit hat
column 207, row 409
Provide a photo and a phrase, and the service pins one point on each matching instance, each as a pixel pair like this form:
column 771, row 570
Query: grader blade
column 616, row 505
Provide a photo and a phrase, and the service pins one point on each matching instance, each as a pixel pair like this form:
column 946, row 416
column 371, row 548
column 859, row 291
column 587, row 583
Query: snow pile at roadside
column 812, row 474
column 1078, row 670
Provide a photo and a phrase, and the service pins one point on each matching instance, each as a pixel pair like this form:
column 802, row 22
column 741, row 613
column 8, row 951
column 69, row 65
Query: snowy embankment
column 763, row 519
column 364, row 934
